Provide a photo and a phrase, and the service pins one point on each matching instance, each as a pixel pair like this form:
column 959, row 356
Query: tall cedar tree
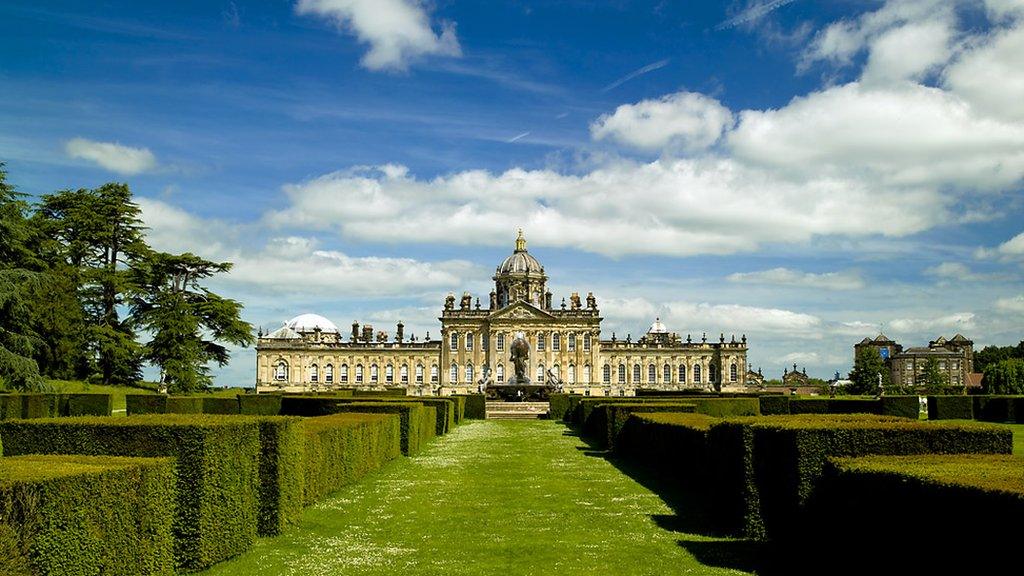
column 186, row 320
column 867, row 365
column 99, row 235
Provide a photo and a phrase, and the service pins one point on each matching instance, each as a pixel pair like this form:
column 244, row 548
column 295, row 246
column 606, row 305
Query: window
column 606, row 375
column 454, row 373
column 732, row 373
column 556, row 341
column 359, row 373
column 403, row 374
column 556, row 372
column 469, row 373
column 454, row 337
column 540, row 373
column 329, row 374
column 622, row 373
column 572, row 342
column 343, row 375
column 500, row 342
column 586, row 342
column 540, row 342
column 389, row 373
column 711, row 374
column 652, row 373
column 696, row 374
column 586, row 373
column 434, row 373
column 374, row 373
column 636, row 373
column 572, row 374
column 682, row 374
column 314, row 373
column 483, row 342
column 666, row 374
column 500, row 373
column 281, row 370
column 419, row 373
column 469, row 340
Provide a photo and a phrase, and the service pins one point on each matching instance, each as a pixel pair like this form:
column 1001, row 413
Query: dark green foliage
column 867, row 366
column 417, row 420
column 342, row 448
column 476, row 406
column 834, row 406
column 145, row 403
column 86, row 515
column 720, row 407
column 950, row 408
column 990, row 355
column 933, row 379
column 88, row 405
column 10, row 406
column 773, row 404
column 444, row 409
column 281, row 473
column 217, row 405
column 217, row 470
column 18, row 343
column 184, row 405
column 259, row 404
column 385, row 392
column 606, row 420
column 902, row 406
column 460, row 408
column 309, row 405
column 674, row 443
column 1005, row 377
column 999, row 408
column 559, row 405
column 39, row 405
column 733, row 494
column 726, row 407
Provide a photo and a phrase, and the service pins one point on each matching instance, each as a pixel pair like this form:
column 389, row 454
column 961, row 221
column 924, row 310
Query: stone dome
column 657, row 327
column 520, row 262
column 310, row 322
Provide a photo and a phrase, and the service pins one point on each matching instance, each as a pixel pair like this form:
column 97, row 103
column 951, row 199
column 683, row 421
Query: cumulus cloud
column 989, row 75
column 956, row 321
column 112, row 156
column 684, row 120
column 398, row 31
column 1012, row 249
column 737, row 318
column 1014, row 304
column 846, row 280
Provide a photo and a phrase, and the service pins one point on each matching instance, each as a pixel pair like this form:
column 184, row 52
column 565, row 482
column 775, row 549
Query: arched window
column 586, row 342
column 666, row 374
column 499, row 373
column 572, row 342
column 696, row 373
column 453, row 375
column 314, row 373
column 329, row 373
column 606, row 375
column 556, row 341
column 540, row 373
column 374, row 373
column 454, row 340
column 389, row 373
column 281, row 370
column 541, row 339
column 622, row 373
column 359, row 373
column 586, row 373
column 403, row 374
column 343, row 374
column 469, row 340
column 636, row 373
column 572, row 374
column 732, row 373
column 469, row 373
column 500, row 342
column 652, row 374
column 556, row 372
column 419, row 373
column 712, row 373
column 434, row 373
column 682, row 374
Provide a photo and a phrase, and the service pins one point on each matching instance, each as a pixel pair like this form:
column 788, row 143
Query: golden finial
column 520, row 242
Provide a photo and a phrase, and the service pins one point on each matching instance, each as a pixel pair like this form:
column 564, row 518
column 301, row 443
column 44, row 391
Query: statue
column 519, row 356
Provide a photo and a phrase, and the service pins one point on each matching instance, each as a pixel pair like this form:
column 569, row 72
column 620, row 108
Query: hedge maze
column 184, row 482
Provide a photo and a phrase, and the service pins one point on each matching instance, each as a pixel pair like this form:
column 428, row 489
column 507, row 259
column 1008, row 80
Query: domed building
column 567, row 349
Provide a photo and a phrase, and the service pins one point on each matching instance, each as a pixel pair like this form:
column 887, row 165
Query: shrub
column 950, row 408
column 216, row 470
column 559, row 405
column 259, row 404
column 217, row 405
column 999, row 408
column 39, row 405
column 773, row 405
column 726, row 407
column 343, row 448
column 281, row 473
column 88, row 405
column 607, row 420
column 476, row 407
column 385, row 392
column 676, row 443
column 184, row 405
column 902, row 406
column 416, row 420
column 145, row 404
column 308, row 405
column 834, row 406
column 460, row 407
column 84, row 515
column 10, row 406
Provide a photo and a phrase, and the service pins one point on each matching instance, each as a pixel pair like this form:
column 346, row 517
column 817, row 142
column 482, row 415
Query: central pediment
column 521, row 310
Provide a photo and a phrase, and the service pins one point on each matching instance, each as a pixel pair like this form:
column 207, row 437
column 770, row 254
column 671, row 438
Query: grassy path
column 506, row 498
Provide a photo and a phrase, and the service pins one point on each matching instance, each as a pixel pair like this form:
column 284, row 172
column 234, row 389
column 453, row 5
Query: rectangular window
column 454, row 340
column 499, row 342
column 572, row 342
column 556, row 341
column 483, row 342
column 540, row 342
column 469, row 340
column 586, row 342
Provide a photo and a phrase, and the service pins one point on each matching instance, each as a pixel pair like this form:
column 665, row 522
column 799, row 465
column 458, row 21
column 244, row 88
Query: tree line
column 1002, row 369
column 84, row 297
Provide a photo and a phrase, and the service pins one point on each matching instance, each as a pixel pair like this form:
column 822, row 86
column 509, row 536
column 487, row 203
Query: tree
column 1006, row 377
column 933, row 379
column 186, row 320
column 996, row 354
column 867, row 365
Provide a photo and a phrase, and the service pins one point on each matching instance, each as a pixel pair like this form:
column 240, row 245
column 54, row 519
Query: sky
column 805, row 173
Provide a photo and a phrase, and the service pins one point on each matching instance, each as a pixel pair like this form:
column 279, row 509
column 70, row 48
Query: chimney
column 355, row 332
column 400, row 332
column 367, row 334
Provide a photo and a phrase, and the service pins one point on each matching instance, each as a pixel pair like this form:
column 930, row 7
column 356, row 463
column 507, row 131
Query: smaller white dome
column 657, row 328
column 310, row 322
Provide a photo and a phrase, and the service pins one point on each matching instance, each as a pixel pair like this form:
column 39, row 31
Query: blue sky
column 806, row 173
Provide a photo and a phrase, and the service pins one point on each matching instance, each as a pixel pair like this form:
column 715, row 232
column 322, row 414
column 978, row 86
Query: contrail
column 753, row 13
column 523, row 135
column 635, row 73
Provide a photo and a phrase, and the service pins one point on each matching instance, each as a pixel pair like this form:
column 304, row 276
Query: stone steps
column 516, row 410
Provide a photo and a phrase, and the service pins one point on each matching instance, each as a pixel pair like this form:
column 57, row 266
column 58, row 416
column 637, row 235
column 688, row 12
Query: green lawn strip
column 492, row 497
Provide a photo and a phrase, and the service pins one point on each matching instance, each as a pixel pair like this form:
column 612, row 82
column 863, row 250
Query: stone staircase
column 516, row 410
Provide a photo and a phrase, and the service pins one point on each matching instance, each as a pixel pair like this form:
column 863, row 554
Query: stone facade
column 955, row 357
column 566, row 348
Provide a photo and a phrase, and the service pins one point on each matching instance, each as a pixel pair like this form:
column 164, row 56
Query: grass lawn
column 493, row 497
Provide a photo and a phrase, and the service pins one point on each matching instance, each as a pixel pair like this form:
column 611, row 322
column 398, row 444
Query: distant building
column 886, row 348
column 795, row 379
column 955, row 357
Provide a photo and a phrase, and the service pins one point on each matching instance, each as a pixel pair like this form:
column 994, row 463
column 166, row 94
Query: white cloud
column 112, row 156
column 909, row 52
column 1014, row 304
column 1005, row 8
column 989, row 75
column 956, row 271
column 1010, row 250
column 800, row 357
column 685, row 120
column 735, row 318
column 397, row 31
column 846, row 280
column 956, row 321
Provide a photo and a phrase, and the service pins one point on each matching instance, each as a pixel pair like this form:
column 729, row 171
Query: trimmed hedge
column 460, row 408
column 999, row 408
column 342, row 448
column 558, row 405
column 10, row 406
column 476, row 406
column 281, row 473
column 87, row 405
column 950, row 408
column 217, row 470
column 902, row 406
column 184, row 405
column 773, row 405
column 145, row 404
column 259, row 404
column 309, row 405
column 385, row 392
column 218, row 405
column 676, row 443
column 86, row 515
column 834, row 406
column 711, row 406
column 417, row 420
column 607, row 420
